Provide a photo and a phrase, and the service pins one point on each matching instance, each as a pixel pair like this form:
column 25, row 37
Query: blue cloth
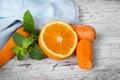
column 43, row 11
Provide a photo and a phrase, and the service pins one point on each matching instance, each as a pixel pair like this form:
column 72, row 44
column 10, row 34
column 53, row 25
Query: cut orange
column 57, row 39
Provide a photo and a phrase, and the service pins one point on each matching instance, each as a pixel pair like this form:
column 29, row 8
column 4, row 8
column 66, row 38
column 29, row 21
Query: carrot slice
column 85, row 32
column 6, row 53
column 84, row 54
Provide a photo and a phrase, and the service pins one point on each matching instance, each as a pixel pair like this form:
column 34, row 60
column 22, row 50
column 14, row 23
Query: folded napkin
column 43, row 11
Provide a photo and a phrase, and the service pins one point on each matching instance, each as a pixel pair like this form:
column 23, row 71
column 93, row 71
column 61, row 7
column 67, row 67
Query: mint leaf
column 27, row 42
column 20, row 52
column 21, row 55
column 35, row 52
column 18, row 38
column 34, row 36
column 16, row 49
column 28, row 22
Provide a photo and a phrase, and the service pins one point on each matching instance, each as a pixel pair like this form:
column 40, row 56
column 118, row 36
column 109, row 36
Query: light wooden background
column 104, row 15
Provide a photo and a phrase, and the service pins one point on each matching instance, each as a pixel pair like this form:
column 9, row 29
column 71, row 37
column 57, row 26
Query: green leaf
column 34, row 36
column 27, row 42
column 21, row 55
column 18, row 38
column 35, row 52
column 16, row 49
column 20, row 52
column 28, row 22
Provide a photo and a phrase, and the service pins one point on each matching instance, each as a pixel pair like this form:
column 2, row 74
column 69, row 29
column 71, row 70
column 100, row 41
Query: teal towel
column 43, row 11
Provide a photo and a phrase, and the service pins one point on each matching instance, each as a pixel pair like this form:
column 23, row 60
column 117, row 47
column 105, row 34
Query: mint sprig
column 29, row 44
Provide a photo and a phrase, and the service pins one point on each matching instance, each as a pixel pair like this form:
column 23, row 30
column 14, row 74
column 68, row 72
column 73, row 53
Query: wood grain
column 104, row 16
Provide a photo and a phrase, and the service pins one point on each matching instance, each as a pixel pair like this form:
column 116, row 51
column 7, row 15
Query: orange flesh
column 58, row 41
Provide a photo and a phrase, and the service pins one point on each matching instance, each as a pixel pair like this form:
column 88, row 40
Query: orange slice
column 57, row 39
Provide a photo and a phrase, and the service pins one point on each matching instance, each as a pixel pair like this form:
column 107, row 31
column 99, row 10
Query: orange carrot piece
column 85, row 32
column 6, row 53
column 84, row 54
column 86, row 35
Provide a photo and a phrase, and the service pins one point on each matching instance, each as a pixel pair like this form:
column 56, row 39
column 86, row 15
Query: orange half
column 57, row 39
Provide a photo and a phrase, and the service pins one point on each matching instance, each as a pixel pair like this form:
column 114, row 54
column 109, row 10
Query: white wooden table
column 104, row 15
